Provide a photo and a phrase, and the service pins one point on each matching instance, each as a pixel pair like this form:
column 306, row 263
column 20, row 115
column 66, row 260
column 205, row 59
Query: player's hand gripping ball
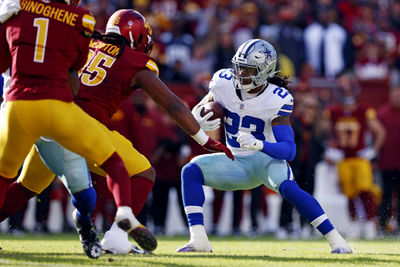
column 217, row 110
column 209, row 115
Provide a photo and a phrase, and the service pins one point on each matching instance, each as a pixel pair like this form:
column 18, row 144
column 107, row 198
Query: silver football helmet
column 253, row 63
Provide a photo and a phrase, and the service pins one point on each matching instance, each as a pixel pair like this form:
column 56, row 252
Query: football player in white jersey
column 259, row 134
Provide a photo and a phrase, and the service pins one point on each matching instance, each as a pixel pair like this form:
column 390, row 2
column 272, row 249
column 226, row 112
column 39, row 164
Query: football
column 215, row 107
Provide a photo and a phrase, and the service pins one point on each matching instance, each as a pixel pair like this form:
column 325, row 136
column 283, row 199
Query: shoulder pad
column 284, row 100
column 151, row 65
column 220, row 78
column 88, row 22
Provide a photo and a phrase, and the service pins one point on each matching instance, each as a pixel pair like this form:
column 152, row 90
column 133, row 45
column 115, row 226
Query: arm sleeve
column 285, row 147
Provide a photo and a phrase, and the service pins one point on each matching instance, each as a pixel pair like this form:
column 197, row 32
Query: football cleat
column 342, row 250
column 127, row 222
column 190, row 247
column 136, row 250
column 116, row 241
column 88, row 237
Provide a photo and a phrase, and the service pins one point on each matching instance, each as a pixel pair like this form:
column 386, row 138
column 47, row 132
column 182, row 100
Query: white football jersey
column 252, row 116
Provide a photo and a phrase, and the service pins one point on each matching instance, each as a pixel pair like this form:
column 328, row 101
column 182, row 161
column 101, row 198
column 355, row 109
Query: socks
column 140, row 188
column 306, row 205
column 4, row 183
column 16, row 197
column 117, row 180
column 85, row 202
column 193, row 194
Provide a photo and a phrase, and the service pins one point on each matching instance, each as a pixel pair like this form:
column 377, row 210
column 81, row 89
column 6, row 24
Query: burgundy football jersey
column 349, row 128
column 46, row 39
column 106, row 78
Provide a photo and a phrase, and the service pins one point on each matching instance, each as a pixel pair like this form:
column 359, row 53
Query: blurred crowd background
column 318, row 43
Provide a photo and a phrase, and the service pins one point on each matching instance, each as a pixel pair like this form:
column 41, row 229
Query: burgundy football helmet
column 134, row 27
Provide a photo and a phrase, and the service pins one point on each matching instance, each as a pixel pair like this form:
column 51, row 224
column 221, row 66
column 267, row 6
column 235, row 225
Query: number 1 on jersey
column 42, row 25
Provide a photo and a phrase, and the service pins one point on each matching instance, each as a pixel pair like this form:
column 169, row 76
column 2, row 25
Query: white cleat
column 337, row 243
column 342, row 250
column 192, row 247
column 116, row 241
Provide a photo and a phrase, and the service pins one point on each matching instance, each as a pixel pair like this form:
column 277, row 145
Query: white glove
column 204, row 123
column 9, row 8
column 333, row 154
column 247, row 141
column 367, row 153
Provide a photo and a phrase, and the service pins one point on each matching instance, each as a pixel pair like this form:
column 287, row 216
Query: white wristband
column 201, row 137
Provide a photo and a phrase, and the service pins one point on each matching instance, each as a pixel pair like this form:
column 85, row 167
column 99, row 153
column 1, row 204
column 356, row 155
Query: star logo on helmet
column 267, row 51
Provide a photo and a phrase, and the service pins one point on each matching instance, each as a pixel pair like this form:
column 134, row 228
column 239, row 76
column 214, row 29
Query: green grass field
column 65, row 250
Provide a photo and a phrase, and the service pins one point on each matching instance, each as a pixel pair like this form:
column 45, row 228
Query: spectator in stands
column 200, row 61
column 248, row 25
column 237, row 209
column 177, row 43
column 394, row 14
column 224, row 50
column 327, row 44
column 167, row 162
column 371, row 63
column 389, row 164
column 255, row 205
column 290, row 38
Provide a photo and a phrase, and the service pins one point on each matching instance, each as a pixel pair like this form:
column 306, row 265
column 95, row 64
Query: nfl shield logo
column 241, row 106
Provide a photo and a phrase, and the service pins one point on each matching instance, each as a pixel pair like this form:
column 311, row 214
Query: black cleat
column 88, row 237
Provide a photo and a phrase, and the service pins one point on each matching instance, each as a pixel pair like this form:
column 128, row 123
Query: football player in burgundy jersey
column 349, row 122
column 43, row 44
column 117, row 65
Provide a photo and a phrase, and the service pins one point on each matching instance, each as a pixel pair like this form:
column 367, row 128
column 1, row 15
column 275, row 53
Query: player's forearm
column 280, row 150
column 183, row 117
column 285, row 147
